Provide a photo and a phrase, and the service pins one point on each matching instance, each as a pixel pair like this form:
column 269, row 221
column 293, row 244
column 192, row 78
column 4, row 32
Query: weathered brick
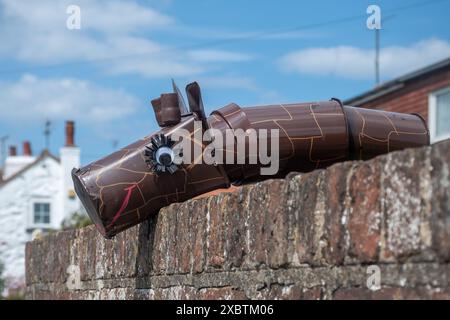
column 199, row 229
column 171, row 251
column 302, row 197
column 402, row 204
column 62, row 256
column 160, row 247
column 256, row 251
column 392, row 293
column 225, row 293
column 290, row 292
column 145, row 244
column 216, row 228
column 440, row 206
column 103, row 257
column 119, row 255
column 235, row 233
column 364, row 212
column 183, row 240
column 87, row 254
column 173, row 293
column 334, row 184
column 277, row 228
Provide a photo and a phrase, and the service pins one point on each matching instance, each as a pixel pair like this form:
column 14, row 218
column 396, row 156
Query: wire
column 255, row 35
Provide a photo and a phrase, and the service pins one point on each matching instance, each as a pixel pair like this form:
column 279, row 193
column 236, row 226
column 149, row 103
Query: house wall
column 413, row 98
column 42, row 181
column 70, row 158
column 321, row 235
column 15, row 164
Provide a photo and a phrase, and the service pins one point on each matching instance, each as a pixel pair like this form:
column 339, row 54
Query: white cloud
column 111, row 36
column 32, row 98
column 106, row 16
column 122, row 17
column 35, row 31
column 358, row 63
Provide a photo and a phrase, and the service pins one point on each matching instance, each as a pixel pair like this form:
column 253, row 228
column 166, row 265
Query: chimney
column 27, row 148
column 70, row 132
column 12, row 151
column 69, row 159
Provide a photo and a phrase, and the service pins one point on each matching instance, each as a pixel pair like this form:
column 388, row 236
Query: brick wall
column 413, row 98
column 310, row 236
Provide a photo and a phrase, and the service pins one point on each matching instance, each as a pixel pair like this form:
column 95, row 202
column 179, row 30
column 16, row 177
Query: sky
column 104, row 75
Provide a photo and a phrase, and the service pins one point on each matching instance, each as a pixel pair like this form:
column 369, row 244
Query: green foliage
column 75, row 221
column 2, row 281
column 16, row 296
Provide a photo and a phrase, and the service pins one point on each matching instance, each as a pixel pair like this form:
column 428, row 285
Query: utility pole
column 378, row 48
column 3, row 150
column 377, row 56
column 374, row 23
column 47, row 132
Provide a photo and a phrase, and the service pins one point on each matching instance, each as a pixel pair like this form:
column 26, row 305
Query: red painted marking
column 124, row 204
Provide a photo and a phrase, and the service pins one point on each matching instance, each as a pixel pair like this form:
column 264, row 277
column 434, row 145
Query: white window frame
column 432, row 105
column 31, row 222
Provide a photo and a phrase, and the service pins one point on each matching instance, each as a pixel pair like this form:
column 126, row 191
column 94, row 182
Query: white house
column 36, row 194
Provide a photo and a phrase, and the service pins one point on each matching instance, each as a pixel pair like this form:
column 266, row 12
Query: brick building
column 425, row 91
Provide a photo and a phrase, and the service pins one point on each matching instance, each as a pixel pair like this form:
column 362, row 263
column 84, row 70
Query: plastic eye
column 164, row 156
column 159, row 155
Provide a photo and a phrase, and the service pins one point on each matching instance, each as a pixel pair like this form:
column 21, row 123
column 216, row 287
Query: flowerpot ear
column 181, row 102
column 195, row 100
column 166, row 109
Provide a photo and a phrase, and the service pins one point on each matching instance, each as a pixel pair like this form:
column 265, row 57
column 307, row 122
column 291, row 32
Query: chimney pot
column 27, row 148
column 12, row 151
column 70, row 132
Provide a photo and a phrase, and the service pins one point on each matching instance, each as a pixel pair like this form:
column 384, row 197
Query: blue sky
column 104, row 75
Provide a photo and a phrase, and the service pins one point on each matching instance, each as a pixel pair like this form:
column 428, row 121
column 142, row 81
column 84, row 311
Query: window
column 41, row 213
column 439, row 115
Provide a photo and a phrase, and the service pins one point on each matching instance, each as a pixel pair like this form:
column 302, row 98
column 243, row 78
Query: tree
column 75, row 221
